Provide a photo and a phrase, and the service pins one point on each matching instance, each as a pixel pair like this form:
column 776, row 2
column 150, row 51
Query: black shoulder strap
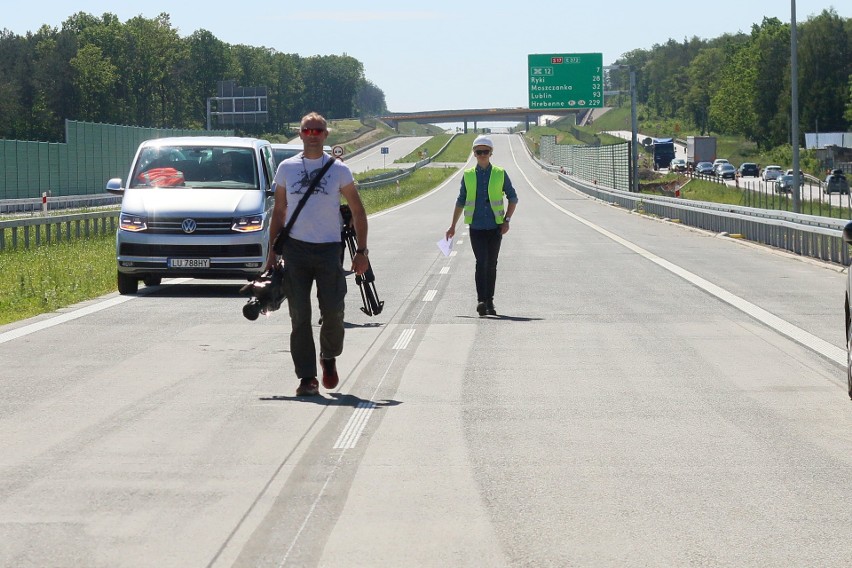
column 285, row 232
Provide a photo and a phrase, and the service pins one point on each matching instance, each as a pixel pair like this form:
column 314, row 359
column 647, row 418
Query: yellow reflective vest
column 495, row 193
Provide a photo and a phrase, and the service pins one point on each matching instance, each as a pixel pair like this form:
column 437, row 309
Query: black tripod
column 372, row 305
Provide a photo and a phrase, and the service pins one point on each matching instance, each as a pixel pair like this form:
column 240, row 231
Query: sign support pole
column 634, row 144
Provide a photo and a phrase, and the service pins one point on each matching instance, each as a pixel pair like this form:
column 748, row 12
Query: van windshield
column 196, row 166
column 281, row 154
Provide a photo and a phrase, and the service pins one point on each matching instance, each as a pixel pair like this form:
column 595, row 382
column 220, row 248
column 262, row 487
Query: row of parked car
column 721, row 168
column 835, row 182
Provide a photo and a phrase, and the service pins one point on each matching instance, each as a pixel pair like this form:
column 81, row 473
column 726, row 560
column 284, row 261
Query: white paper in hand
column 446, row 246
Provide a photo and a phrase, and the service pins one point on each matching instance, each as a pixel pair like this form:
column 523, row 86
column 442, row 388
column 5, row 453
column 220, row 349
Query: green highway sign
column 560, row 81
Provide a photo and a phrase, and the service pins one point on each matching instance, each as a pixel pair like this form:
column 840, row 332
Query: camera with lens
column 268, row 291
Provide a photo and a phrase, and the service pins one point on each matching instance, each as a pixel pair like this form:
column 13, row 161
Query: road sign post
column 560, row 81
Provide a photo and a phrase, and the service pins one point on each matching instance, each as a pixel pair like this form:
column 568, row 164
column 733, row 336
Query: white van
column 195, row 207
column 284, row 151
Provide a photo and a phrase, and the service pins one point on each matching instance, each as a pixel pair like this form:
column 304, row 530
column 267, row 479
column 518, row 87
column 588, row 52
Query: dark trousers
column 486, row 249
column 306, row 263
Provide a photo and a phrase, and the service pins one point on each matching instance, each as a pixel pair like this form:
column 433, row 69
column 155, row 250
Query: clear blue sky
column 439, row 54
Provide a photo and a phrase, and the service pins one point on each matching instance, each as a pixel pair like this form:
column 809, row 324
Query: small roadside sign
column 337, row 151
column 385, row 150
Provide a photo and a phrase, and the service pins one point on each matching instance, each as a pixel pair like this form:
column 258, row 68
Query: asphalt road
column 373, row 159
column 650, row 395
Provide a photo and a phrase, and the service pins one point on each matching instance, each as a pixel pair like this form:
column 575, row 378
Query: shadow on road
column 501, row 317
column 333, row 399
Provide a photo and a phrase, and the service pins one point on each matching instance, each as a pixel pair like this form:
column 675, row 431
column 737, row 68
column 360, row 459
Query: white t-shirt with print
column 320, row 220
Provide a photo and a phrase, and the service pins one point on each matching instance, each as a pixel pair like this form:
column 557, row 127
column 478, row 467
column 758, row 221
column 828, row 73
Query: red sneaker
column 308, row 387
column 329, row 373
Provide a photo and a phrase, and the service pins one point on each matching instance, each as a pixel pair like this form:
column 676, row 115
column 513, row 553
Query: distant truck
column 664, row 152
column 700, row 149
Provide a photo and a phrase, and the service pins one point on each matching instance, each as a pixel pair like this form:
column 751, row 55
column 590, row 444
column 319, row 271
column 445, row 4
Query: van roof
column 233, row 141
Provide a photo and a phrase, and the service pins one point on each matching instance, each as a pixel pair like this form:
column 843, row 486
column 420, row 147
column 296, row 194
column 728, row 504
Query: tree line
column 740, row 84
column 142, row 73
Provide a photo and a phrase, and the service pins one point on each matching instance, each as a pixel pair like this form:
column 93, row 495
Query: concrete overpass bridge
column 466, row 116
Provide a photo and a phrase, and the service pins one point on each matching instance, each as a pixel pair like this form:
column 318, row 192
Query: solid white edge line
column 784, row 327
column 76, row 314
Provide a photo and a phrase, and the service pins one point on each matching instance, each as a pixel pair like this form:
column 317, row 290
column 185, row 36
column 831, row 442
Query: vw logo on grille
column 189, row 226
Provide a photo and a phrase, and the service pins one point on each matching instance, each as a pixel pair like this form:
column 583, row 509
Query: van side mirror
column 114, row 186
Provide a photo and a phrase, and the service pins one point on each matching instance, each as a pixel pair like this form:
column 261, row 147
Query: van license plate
column 189, row 263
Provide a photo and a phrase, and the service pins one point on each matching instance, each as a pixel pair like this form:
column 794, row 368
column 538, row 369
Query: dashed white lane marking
column 445, row 270
column 460, row 242
column 454, row 253
column 430, row 295
column 350, row 434
column 404, row 339
column 784, row 327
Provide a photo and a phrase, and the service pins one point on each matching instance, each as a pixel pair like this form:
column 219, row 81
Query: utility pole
column 634, row 144
column 794, row 96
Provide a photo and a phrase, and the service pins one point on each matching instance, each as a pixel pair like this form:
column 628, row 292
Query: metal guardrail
column 33, row 204
column 805, row 235
column 35, row 231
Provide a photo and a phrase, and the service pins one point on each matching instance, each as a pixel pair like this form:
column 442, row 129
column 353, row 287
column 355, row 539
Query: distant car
column 771, row 173
column 718, row 161
column 726, row 171
column 784, row 184
column 677, row 165
column 748, row 169
column 705, row 168
column 836, row 183
column 801, row 176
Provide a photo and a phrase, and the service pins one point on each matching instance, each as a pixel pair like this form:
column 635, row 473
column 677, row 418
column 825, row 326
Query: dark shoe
column 329, row 373
column 308, row 387
column 480, row 308
column 490, row 310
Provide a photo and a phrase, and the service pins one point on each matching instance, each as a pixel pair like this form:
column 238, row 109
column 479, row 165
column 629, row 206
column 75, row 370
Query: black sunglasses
column 482, row 152
column 313, row 131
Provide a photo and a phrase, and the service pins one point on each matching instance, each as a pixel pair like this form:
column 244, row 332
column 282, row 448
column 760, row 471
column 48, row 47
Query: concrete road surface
column 649, row 395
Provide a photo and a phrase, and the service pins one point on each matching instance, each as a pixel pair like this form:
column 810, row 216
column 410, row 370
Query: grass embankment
column 50, row 277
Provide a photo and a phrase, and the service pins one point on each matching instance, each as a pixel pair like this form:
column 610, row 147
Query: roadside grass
column 617, row 118
column 459, row 150
column 431, row 146
column 50, row 277
column 421, row 181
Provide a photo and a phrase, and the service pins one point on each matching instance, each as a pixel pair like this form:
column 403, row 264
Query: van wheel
column 127, row 284
column 152, row 280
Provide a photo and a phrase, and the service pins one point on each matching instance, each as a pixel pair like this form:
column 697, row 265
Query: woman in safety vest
column 481, row 201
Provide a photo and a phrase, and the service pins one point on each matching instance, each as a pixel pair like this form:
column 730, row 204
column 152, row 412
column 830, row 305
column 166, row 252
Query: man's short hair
column 315, row 116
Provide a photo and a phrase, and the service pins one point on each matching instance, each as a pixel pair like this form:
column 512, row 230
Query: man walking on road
column 481, row 201
column 312, row 251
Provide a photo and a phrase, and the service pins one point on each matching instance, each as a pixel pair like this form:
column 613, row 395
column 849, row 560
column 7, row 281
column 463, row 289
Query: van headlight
column 134, row 223
column 249, row 224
